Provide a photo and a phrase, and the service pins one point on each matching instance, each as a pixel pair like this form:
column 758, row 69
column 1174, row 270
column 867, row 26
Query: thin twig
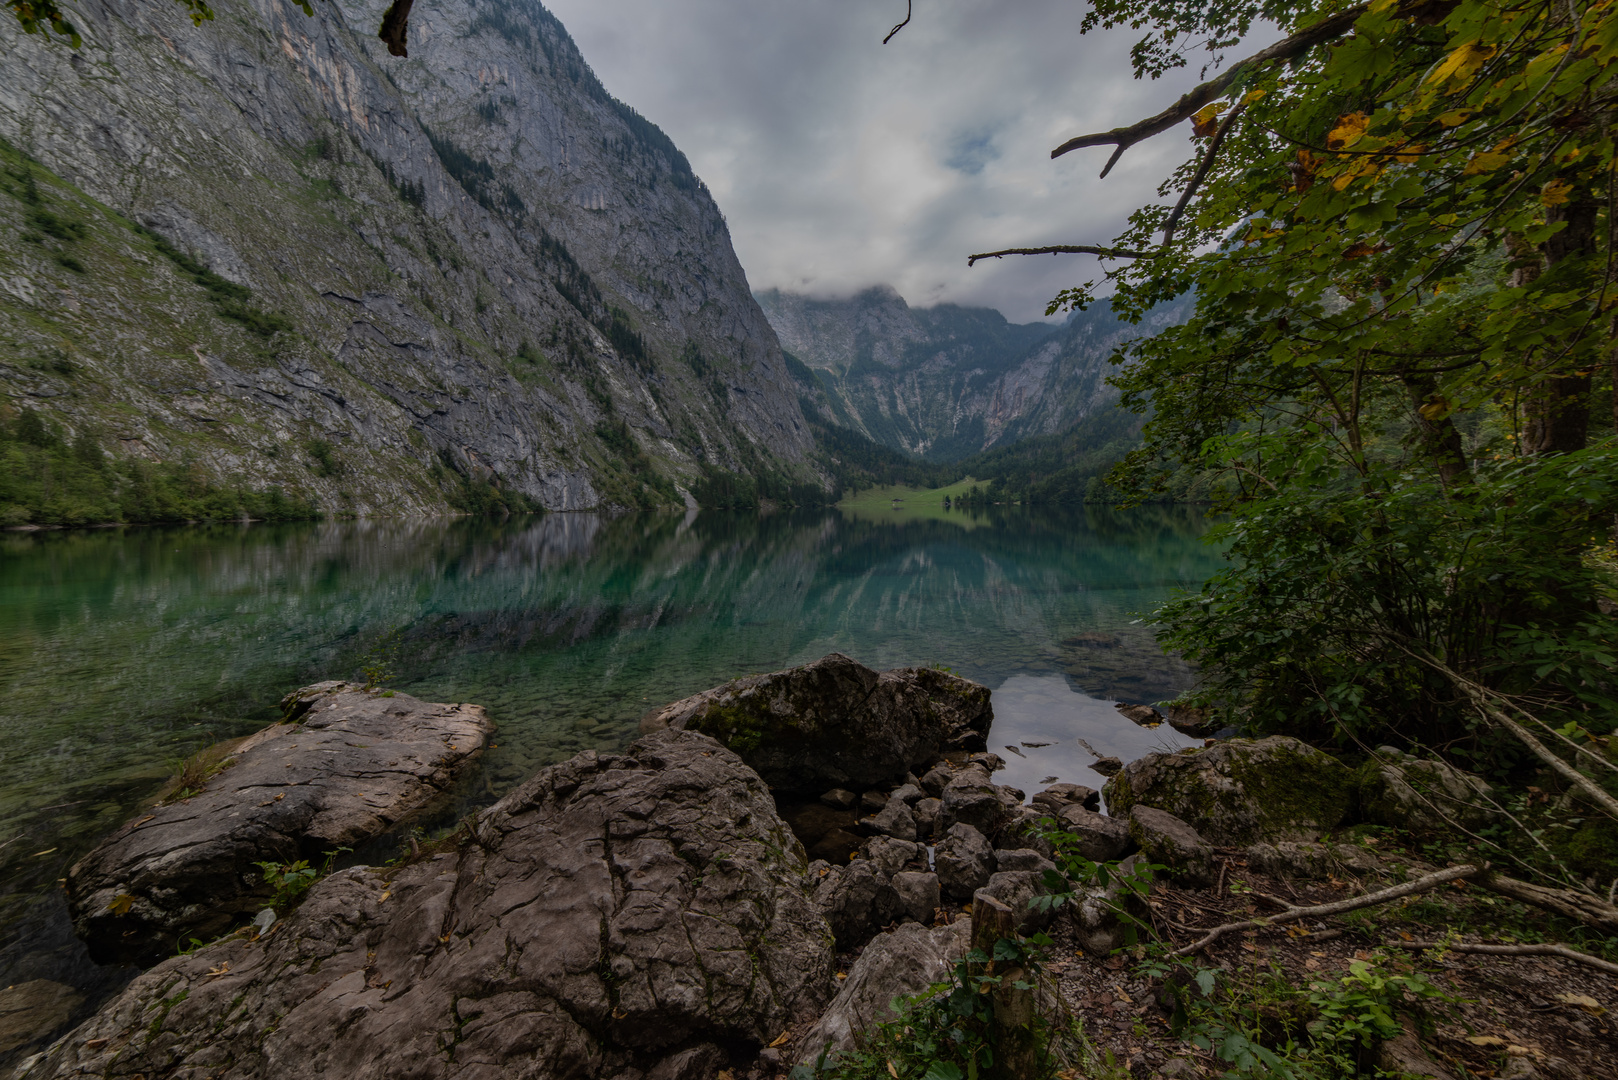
column 1296, row 45
column 1548, row 949
column 901, row 26
column 1337, row 907
column 1064, row 249
column 1202, row 171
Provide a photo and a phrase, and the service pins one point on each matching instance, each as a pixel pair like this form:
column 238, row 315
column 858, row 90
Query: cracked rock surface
column 614, row 916
column 349, row 766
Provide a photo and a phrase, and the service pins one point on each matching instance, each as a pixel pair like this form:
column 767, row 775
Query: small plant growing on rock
column 953, row 1031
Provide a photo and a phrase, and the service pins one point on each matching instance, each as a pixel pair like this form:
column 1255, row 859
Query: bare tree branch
column 1480, row 698
column 1422, row 884
column 1202, row 171
column 1296, row 45
column 1546, row 949
column 902, row 25
column 1064, row 249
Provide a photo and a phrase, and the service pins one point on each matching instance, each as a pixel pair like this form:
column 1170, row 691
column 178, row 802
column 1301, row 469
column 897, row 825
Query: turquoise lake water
column 122, row 651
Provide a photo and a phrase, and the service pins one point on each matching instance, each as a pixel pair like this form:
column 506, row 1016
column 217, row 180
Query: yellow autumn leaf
column 1455, row 117
column 1583, row 1001
column 1485, row 161
column 1435, row 409
column 1252, row 96
column 121, row 904
column 1379, row 6
column 1365, row 167
column 1555, row 193
column 1410, row 154
column 1463, row 62
column 1205, row 121
column 1349, row 130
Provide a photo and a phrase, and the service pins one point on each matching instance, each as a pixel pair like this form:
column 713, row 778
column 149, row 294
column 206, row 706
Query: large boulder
column 1423, row 795
column 835, row 723
column 614, row 915
column 900, row 963
column 1240, row 791
column 347, row 765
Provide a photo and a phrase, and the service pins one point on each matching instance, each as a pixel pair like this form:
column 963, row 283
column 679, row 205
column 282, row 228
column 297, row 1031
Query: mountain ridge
column 948, row 381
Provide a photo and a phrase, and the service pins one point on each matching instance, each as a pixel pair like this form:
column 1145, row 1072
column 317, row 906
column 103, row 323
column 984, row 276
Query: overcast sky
column 840, row 162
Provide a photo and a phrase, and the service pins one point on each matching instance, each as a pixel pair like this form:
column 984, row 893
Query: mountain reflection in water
column 122, row 651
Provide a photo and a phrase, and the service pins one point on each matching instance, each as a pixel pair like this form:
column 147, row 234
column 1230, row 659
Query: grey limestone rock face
column 902, row 961
column 1099, row 838
column 1167, row 841
column 964, row 861
column 354, row 764
column 894, row 819
column 918, row 893
column 1059, row 796
column 1015, row 889
column 873, row 890
column 614, row 913
column 491, row 269
column 1240, row 791
column 836, row 723
column 971, row 798
column 1293, row 859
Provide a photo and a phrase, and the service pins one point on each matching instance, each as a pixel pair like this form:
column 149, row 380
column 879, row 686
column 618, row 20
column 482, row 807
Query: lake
column 124, row 650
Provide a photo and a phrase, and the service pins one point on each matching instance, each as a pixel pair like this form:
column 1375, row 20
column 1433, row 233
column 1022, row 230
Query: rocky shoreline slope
column 746, row 889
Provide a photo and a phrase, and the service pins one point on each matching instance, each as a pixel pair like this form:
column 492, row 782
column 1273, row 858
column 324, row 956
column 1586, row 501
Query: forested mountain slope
column 266, row 249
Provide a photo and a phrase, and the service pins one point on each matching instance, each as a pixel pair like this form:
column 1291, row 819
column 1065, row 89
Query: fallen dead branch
column 1545, row 949
column 1422, row 884
column 1582, row 907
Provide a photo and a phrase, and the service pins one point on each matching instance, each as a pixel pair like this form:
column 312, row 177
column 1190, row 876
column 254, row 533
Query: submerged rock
column 1240, row 791
column 643, row 913
column 835, row 723
column 352, row 765
column 30, row 1011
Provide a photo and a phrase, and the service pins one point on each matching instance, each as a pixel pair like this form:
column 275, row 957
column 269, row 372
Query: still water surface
column 122, row 651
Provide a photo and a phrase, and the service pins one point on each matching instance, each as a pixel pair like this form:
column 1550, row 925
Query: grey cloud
column 842, row 163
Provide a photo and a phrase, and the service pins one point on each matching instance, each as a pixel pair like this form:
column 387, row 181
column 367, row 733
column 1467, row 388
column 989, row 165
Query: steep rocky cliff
column 948, row 381
column 264, row 247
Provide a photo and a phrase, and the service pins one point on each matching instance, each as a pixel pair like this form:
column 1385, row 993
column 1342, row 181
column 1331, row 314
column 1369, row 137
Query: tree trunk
column 1439, row 438
column 1557, row 412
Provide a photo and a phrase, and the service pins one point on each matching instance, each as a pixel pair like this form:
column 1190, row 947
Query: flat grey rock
column 354, row 764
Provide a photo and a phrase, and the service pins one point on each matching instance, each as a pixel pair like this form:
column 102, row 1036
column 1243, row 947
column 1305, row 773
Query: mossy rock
column 836, row 722
column 1423, row 796
column 1240, row 791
